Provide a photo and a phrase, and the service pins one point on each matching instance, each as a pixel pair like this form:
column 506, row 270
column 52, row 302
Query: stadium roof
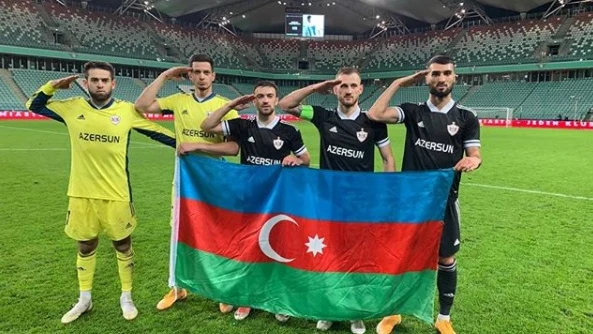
column 341, row 16
column 346, row 16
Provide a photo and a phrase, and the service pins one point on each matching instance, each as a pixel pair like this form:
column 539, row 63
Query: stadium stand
column 8, row 100
column 218, row 46
column 490, row 94
column 105, row 34
column 281, row 54
column 548, row 99
column 581, row 35
column 408, row 52
column 30, row 80
column 329, row 56
column 20, row 25
column 504, row 43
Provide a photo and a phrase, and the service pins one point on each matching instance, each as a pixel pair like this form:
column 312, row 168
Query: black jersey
column 437, row 139
column 264, row 144
column 348, row 143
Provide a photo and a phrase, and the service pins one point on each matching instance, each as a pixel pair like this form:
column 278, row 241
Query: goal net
column 500, row 113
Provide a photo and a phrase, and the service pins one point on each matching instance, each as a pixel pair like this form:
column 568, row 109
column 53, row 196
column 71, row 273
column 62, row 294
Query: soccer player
column 265, row 139
column 348, row 136
column 438, row 133
column 190, row 110
column 99, row 189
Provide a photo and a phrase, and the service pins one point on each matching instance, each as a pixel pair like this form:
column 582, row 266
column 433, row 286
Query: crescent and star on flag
column 314, row 246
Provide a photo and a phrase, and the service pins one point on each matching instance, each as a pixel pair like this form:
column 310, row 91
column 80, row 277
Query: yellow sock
column 85, row 266
column 125, row 264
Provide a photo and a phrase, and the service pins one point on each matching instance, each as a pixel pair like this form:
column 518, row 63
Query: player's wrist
column 48, row 88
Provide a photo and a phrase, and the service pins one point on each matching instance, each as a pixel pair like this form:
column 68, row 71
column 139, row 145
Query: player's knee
column 87, row 247
column 447, row 261
column 124, row 245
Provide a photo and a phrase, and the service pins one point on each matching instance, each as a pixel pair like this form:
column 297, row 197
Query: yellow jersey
column 190, row 112
column 99, row 140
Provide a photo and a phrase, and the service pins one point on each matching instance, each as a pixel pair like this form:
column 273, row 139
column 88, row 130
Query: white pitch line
column 537, row 192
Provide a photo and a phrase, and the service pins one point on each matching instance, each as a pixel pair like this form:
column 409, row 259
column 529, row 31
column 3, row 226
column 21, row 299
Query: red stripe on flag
column 383, row 248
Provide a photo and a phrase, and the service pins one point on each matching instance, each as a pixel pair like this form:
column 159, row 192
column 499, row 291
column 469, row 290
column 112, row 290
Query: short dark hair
column 100, row 65
column 348, row 70
column 440, row 59
column 265, row 83
column 201, row 58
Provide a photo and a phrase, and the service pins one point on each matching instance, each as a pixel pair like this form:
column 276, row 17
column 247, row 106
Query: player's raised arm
column 147, row 101
column 38, row 103
column 213, row 124
column 291, row 102
column 380, row 111
column 152, row 130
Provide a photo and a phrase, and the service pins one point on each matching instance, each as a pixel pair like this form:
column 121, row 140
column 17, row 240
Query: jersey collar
column 270, row 125
column 353, row 116
column 445, row 109
column 199, row 100
column 90, row 102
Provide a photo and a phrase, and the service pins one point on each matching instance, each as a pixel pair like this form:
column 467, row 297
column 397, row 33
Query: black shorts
column 451, row 237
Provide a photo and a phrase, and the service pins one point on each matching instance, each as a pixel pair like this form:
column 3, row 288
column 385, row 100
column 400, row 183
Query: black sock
column 447, row 284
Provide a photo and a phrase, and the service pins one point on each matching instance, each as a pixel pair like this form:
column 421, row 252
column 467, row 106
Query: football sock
column 125, row 264
column 447, row 284
column 85, row 265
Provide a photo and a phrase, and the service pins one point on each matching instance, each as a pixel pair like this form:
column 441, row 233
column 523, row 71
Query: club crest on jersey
column 361, row 135
column 452, row 129
column 115, row 119
column 278, row 143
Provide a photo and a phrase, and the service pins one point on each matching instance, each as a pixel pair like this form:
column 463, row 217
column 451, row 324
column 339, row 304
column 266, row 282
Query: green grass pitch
column 525, row 266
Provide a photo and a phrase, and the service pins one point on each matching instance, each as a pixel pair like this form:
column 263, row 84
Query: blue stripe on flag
column 317, row 194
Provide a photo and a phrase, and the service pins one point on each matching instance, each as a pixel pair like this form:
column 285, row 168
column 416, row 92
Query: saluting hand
column 242, row 102
column 410, row 79
column 176, row 72
column 64, row 83
column 326, row 87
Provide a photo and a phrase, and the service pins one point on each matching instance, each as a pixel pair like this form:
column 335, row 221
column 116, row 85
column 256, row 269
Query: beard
column 440, row 94
column 100, row 97
column 265, row 112
column 348, row 104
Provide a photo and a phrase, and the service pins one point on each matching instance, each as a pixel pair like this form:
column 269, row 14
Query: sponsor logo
column 262, row 161
column 96, row 137
column 251, row 140
column 345, row 152
column 334, row 130
column 197, row 133
column 433, row 146
column 421, row 124
column 81, row 117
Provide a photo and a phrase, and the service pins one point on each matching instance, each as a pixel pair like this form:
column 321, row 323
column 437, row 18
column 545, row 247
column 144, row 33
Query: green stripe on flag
column 277, row 288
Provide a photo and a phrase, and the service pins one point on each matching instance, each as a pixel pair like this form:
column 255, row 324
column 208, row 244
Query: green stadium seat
column 102, row 33
column 504, row 43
